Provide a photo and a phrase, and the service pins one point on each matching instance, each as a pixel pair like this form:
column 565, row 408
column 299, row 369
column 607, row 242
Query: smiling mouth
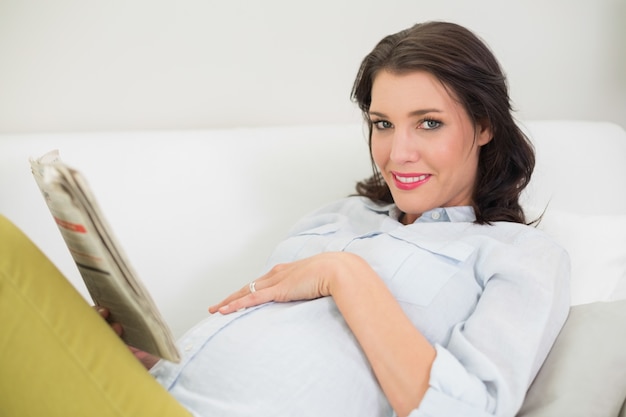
column 409, row 182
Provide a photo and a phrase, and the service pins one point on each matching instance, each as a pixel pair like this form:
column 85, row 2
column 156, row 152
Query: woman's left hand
column 305, row 279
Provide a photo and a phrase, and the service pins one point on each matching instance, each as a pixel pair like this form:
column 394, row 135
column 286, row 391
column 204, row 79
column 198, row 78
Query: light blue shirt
column 490, row 298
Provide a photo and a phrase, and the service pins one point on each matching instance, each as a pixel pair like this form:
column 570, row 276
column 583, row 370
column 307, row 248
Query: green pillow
column 585, row 372
column 57, row 356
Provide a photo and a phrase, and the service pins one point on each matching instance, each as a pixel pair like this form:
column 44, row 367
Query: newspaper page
column 101, row 262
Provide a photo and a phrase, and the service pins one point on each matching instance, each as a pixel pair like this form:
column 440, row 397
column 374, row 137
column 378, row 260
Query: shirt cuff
column 453, row 391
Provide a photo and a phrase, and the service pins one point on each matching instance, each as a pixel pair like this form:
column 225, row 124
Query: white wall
column 71, row 65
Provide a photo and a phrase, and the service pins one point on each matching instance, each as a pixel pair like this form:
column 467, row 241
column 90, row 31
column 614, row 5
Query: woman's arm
column 399, row 354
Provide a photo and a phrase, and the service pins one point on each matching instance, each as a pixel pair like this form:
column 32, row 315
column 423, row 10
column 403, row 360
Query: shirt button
column 435, row 215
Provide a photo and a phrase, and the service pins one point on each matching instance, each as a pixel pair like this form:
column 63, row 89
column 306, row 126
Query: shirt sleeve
column 491, row 358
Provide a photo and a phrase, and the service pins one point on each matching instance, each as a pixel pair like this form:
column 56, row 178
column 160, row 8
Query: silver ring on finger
column 252, row 287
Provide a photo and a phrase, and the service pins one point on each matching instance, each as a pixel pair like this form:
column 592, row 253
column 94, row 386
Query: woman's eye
column 382, row 124
column 430, row 124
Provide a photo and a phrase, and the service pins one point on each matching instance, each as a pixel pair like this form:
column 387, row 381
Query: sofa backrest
column 198, row 212
column 581, row 166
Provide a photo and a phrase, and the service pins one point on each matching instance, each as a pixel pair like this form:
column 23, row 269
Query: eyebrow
column 420, row 112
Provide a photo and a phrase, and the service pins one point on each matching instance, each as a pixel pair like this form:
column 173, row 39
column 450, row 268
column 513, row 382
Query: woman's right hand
column 146, row 359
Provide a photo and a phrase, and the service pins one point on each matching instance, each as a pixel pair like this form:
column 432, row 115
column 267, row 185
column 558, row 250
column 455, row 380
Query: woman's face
column 423, row 142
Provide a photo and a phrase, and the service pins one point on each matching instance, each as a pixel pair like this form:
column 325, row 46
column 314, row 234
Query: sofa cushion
column 597, row 248
column 584, row 372
column 57, row 356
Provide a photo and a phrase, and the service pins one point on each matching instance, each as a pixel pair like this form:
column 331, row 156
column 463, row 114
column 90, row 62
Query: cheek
column 456, row 154
column 380, row 153
column 449, row 155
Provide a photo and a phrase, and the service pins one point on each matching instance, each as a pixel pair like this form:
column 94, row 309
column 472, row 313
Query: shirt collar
column 441, row 214
column 448, row 214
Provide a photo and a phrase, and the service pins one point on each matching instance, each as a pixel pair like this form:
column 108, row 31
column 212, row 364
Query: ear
column 484, row 133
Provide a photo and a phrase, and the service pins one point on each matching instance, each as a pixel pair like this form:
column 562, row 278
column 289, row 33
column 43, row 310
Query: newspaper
column 107, row 274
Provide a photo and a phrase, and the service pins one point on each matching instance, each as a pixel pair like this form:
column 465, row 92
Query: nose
column 404, row 147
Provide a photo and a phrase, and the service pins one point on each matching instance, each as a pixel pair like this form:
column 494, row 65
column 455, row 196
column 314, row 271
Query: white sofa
column 199, row 211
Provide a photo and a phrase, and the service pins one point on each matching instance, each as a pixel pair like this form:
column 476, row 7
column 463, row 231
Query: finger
column 102, row 311
column 145, row 358
column 117, row 328
column 242, row 292
column 106, row 314
column 250, row 300
column 268, row 280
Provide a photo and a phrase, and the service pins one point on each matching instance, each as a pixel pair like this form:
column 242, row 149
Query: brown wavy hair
column 469, row 70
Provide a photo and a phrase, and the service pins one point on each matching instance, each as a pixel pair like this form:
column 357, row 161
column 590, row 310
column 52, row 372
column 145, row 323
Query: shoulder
column 513, row 249
column 517, row 249
column 517, row 234
column 353, row 210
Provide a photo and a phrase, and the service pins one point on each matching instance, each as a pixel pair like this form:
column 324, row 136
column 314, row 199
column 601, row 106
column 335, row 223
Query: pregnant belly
column 282, row 359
